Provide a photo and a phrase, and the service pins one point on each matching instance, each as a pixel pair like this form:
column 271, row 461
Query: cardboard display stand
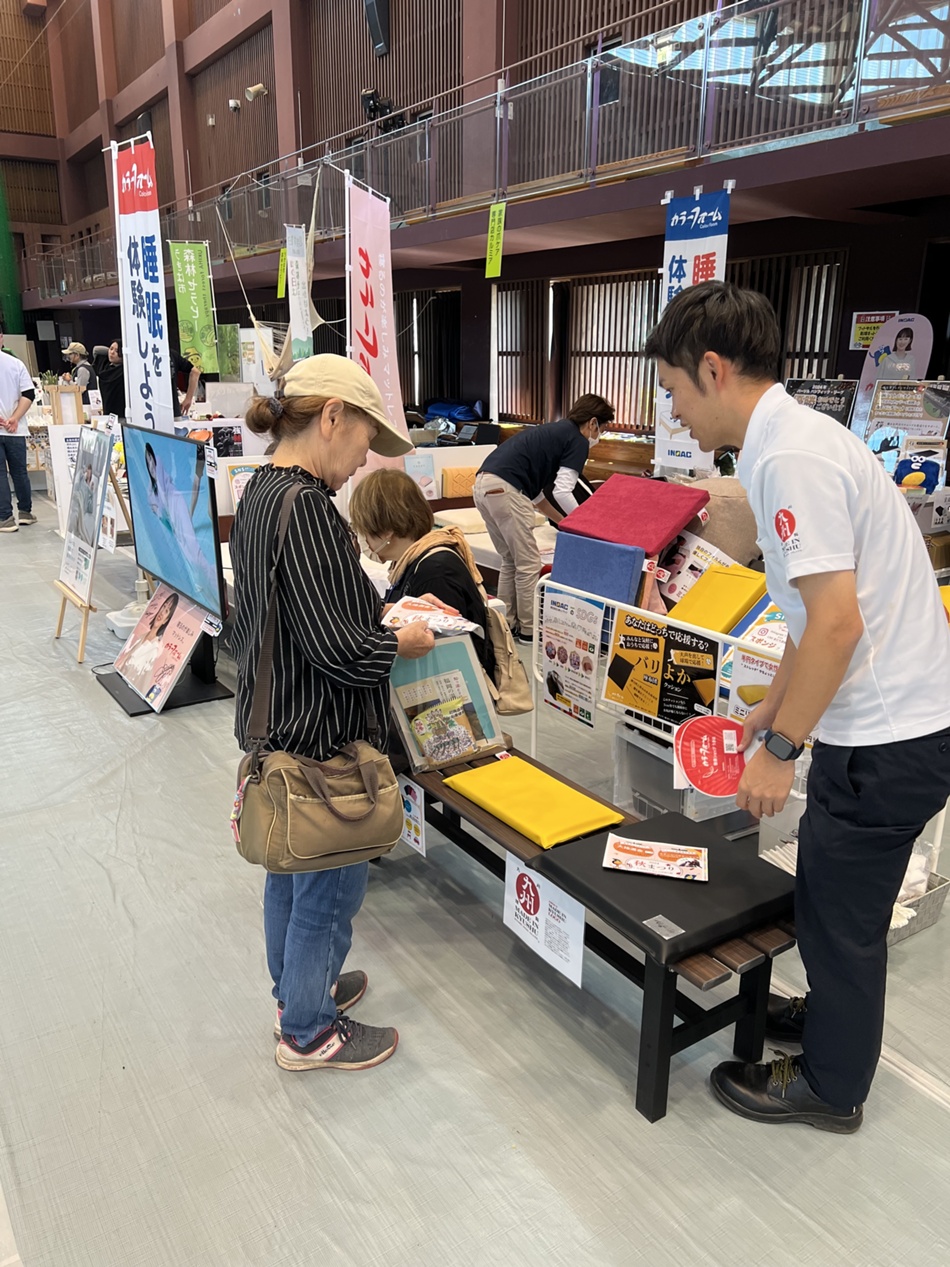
column 83, row 523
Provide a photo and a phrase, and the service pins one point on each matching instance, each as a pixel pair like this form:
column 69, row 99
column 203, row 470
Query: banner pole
column 121, row 263
column 349, row 265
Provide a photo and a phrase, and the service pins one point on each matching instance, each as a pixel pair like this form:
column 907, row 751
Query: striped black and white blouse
column 332, row 658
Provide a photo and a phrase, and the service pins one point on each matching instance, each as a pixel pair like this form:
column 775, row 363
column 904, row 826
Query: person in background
column 509, row 489
column 868, row 648
column 390, row 514
column 180, row 365
column 332, row 661
column 107, row 362
column 17, row 393
column 82, row 374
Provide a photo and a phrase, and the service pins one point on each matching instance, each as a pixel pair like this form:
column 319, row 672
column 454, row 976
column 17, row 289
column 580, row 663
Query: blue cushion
column 599, row 567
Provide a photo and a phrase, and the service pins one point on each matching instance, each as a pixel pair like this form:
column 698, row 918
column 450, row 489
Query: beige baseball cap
column 75, row 349
column 338, row 378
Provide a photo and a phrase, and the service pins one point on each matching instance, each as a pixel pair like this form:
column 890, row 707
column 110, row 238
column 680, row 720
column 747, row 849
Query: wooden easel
column 69, row 597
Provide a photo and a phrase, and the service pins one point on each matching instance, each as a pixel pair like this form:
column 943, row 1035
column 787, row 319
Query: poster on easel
column 899, row 352
column 85, row 511
column 160, row 645
column 831, row 396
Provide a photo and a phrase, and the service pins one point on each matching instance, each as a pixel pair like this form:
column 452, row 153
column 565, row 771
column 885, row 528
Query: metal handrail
column 757, row 71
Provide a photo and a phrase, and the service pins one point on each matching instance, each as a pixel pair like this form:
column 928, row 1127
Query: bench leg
column 656, row 1040
column 750, row 1031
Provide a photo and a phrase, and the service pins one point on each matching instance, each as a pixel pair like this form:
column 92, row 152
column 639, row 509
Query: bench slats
column 738, row 955
column 771, row 941
column 702, row 971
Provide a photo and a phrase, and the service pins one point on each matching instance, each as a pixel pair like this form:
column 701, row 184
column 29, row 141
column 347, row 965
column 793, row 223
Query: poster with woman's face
column 160, row 645
column 900, row 351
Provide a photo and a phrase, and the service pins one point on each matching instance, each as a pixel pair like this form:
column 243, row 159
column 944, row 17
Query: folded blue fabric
column 599, row 567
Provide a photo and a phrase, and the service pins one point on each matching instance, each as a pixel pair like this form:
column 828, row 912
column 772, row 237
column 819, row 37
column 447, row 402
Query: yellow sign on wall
column 282, row 274
column 496, row 239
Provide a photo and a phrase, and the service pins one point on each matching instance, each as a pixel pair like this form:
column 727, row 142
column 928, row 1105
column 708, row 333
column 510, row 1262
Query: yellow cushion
column 538, row 805
column 458, row 481
column 720, row 598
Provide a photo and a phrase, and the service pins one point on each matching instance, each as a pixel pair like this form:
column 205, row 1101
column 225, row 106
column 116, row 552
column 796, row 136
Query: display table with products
column 735, row 923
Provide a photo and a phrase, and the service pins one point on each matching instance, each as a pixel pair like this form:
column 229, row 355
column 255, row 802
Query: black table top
column 742, row 892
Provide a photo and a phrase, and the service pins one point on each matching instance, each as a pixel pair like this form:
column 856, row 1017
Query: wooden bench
column 747, row 954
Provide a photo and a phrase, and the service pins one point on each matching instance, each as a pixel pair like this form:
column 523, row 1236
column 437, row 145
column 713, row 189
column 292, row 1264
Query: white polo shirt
column 14, row 381
column 823, row 503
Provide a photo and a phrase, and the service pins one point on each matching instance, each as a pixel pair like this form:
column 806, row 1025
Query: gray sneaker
column 345, row 1044
column 8, row 525
column 349, row 989
column 26, row 518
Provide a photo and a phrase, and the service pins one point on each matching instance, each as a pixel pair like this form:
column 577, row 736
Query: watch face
column 781, row 747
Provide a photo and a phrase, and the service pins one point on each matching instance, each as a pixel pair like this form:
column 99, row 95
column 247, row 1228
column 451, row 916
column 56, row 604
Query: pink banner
column 372, row 334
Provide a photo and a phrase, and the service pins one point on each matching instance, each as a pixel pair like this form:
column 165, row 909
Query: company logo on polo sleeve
column 786, row 527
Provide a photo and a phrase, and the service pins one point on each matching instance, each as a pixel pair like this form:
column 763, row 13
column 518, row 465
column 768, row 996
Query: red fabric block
column 635, row 511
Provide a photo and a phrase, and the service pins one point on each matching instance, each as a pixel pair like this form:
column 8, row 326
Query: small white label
column 704, row 516
column 730, row 743
column 212, row 625
column 211, row 459
column 663, row 926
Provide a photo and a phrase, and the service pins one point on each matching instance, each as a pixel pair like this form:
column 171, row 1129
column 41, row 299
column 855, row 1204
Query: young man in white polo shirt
column 16, row 396
column 866, row 665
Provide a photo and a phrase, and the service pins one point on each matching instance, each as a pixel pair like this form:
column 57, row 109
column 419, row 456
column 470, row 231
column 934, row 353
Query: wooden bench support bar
column 702, row 971
column 771, row 941
column 737, row 955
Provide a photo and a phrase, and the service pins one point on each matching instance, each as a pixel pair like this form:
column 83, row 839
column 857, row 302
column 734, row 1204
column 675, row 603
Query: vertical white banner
column 372, row 333
column 142, row 287
column 298, row 292
column 697, row 235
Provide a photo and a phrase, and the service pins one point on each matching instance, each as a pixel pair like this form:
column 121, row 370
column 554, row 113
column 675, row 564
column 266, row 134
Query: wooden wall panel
column 26, row 103
column 200, row 11
column 162, row 140
column 32, row 191
column 139, row 37
column 239, row 142
column 79, row 63
column 425, row 58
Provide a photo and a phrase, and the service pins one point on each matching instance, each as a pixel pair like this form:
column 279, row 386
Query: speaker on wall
column 377, row 16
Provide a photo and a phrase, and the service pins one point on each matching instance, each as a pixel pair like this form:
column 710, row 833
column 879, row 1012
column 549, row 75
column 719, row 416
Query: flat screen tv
column 174, row 514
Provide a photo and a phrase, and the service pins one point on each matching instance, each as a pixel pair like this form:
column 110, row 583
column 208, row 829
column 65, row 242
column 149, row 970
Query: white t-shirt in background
column 823, row 503
column 14, row 381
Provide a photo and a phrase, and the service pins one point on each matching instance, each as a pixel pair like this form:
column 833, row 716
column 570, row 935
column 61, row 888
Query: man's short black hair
column 591, row 406
column 739, row 325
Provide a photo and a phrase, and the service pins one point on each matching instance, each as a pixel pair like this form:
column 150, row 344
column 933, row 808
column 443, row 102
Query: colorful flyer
column 707, row 750
column 647, row 857
column 661, row 670
column 410, row 611
column 751, row 678
column 414, row 811
column 160, row 645
column 570, row 638
column 421, row 468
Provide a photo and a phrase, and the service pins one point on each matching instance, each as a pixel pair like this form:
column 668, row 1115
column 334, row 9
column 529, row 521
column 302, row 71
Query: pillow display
column 458, row 481
column 731, row 524
column 538, row 805
column 720, row 598
column 599, row 567
column 635, row 511
column 468, row 521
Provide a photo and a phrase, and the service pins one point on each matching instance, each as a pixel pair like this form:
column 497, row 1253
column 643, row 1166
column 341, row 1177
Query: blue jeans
column 308, row 929
column 13, row 455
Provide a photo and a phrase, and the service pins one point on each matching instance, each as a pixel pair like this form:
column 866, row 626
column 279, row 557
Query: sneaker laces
column 784, row 1070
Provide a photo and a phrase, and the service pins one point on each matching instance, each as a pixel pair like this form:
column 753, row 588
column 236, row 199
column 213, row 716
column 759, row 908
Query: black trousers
column 865, row 809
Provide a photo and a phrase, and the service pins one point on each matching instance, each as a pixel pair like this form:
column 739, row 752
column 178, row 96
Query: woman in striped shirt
column 332, row 660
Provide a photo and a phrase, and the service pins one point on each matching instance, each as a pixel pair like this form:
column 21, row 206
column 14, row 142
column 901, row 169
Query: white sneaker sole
column 288, row 1059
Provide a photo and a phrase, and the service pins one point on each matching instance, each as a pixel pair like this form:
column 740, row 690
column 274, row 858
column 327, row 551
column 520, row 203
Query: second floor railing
column 755, row 73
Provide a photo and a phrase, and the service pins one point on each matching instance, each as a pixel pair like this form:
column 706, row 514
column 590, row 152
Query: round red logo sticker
column 529, row 899
column 785, row 524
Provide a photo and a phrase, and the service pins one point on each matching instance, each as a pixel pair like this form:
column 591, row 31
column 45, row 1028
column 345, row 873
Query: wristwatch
column 781, row 747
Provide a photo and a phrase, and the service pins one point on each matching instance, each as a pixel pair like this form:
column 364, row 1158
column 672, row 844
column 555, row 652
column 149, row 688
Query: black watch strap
column 781, row 747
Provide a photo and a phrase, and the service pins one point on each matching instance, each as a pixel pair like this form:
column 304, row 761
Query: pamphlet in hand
column 676, row 862
column 410, row 610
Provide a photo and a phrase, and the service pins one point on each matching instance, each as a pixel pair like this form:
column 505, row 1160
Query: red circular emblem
column 784, row 524
column 526, row 891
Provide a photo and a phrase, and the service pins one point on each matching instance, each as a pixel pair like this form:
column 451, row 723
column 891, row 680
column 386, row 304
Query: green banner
column 496, row 239
column 229, row 353
column 282, row 274
column 9, row 276
column 191, row 269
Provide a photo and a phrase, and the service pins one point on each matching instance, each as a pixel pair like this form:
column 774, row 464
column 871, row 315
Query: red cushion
column 634, row 511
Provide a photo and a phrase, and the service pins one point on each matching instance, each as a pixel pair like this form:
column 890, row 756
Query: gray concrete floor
column 143, row 1120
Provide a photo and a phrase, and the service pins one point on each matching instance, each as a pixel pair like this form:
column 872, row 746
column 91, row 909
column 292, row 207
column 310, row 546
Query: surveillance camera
column 234, row 105
column 255, row 91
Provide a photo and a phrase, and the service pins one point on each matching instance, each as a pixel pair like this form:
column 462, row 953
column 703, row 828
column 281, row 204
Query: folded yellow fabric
column 541, row 807
column 720, row 598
